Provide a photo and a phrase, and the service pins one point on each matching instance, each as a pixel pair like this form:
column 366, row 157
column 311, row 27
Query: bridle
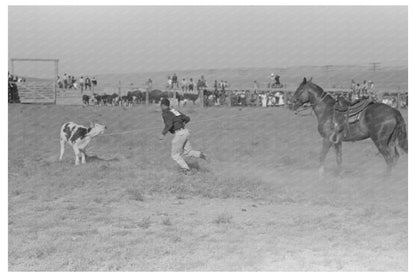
column 321, row 99
column 323, row 96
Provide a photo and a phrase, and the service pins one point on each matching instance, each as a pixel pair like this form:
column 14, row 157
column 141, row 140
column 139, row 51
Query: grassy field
column 258, row 205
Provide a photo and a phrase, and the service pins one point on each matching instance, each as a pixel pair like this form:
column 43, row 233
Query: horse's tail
column 400, row 133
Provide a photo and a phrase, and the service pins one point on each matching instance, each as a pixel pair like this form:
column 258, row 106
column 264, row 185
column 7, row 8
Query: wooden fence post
column 398, row 101
column 147, row 97
column 285, row 98
column 201, row 96
column 56, row 79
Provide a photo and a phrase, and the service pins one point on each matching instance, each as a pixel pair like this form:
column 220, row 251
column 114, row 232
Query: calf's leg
column 62, row 149
column 82, row 155
column 77, row 152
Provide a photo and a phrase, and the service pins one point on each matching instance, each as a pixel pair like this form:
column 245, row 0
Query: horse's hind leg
column 389, row 152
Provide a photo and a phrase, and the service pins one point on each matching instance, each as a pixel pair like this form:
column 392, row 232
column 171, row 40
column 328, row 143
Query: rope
column 157, row 128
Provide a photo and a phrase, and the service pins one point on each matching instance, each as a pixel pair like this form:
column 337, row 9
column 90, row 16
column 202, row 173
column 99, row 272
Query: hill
column 388, row 78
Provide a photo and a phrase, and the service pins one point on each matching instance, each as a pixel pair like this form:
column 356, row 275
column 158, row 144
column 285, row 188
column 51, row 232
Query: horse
column 382, row 123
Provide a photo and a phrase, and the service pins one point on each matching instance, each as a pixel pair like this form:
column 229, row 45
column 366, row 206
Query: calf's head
column 96, row 129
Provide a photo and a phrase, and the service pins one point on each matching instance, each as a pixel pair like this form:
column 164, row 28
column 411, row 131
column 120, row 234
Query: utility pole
column 328, row 68
column 374, row 66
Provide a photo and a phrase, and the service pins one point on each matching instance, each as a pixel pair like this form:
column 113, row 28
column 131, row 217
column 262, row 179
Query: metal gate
column 42, row 92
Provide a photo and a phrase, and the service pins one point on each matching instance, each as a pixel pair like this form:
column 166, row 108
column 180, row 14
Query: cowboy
column 175, row 123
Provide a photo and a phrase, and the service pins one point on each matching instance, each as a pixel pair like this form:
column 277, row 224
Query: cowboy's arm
column 168, row 123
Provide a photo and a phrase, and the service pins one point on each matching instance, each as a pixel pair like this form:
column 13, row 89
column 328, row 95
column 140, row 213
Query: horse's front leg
column 338, row 152
column 326, row 145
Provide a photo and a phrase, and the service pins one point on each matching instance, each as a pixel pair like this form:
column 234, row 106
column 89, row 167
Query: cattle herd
column 211, row 98
column 134, row 97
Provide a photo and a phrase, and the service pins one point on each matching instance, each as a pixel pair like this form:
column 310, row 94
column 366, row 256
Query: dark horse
column 383, row 124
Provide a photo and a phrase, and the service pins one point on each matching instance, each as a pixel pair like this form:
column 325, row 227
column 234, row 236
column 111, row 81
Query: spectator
column 149, row 85
column 222, row 86
column 256, row 86
column 87, row 83
column 364, row 89
column 66, row 81
column 59, row 82
column 353, row 84
column 70, row 82
column 184, row 86
column 175, row 80
column 277, row 80
column 356, row 92
column 215, row 86
column 201, row 84
column 169, row 85
column 191, row 85
column 81, row 82
column 94, row 82
column 74, row 83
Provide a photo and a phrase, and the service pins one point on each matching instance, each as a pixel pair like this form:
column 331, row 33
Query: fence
column 41, row 92
column 47, row 92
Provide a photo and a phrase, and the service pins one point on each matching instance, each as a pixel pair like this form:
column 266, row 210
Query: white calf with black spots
column 78, row 137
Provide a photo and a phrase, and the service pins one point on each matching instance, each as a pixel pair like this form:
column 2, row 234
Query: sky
column 110, row 39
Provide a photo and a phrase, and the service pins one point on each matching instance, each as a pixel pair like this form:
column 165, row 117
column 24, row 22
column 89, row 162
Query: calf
column 86, row 100
column 78, row 137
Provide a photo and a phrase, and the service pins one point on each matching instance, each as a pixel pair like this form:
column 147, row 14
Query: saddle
column 352, row 111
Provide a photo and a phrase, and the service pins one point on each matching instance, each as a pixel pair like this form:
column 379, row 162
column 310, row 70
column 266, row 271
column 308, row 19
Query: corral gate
column 37, row 91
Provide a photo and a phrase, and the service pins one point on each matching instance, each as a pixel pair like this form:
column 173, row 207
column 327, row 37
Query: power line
column 328, row 68
column 374, row 66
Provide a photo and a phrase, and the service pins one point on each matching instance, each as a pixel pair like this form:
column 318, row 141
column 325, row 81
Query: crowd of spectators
column 189, row 85
column 69, row 82
column 15, row 78
column 365, row 90
column 13, row 94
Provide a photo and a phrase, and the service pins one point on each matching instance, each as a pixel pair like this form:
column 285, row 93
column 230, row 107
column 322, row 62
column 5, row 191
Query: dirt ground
column 258, row 205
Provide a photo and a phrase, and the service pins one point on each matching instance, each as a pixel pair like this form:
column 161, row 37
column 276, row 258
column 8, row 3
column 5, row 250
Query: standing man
column 65, row 81
column 81, row 84
column 87, row 83
column 175, row 80
column 191, row 85
column 175, row 124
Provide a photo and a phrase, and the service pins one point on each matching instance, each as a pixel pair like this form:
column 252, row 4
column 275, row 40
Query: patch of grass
column 144, row 223
column 166, row 221
column 98, row 200
column 223, row 218
column 71, row 207
column 135, row 194
column 287, row 160
column 43, row 252
column 180, row 196
column 16, row 192
column 83, row 233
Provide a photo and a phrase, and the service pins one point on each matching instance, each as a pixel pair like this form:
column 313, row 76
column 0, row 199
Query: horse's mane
column 320, row 90
column 316, row 87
